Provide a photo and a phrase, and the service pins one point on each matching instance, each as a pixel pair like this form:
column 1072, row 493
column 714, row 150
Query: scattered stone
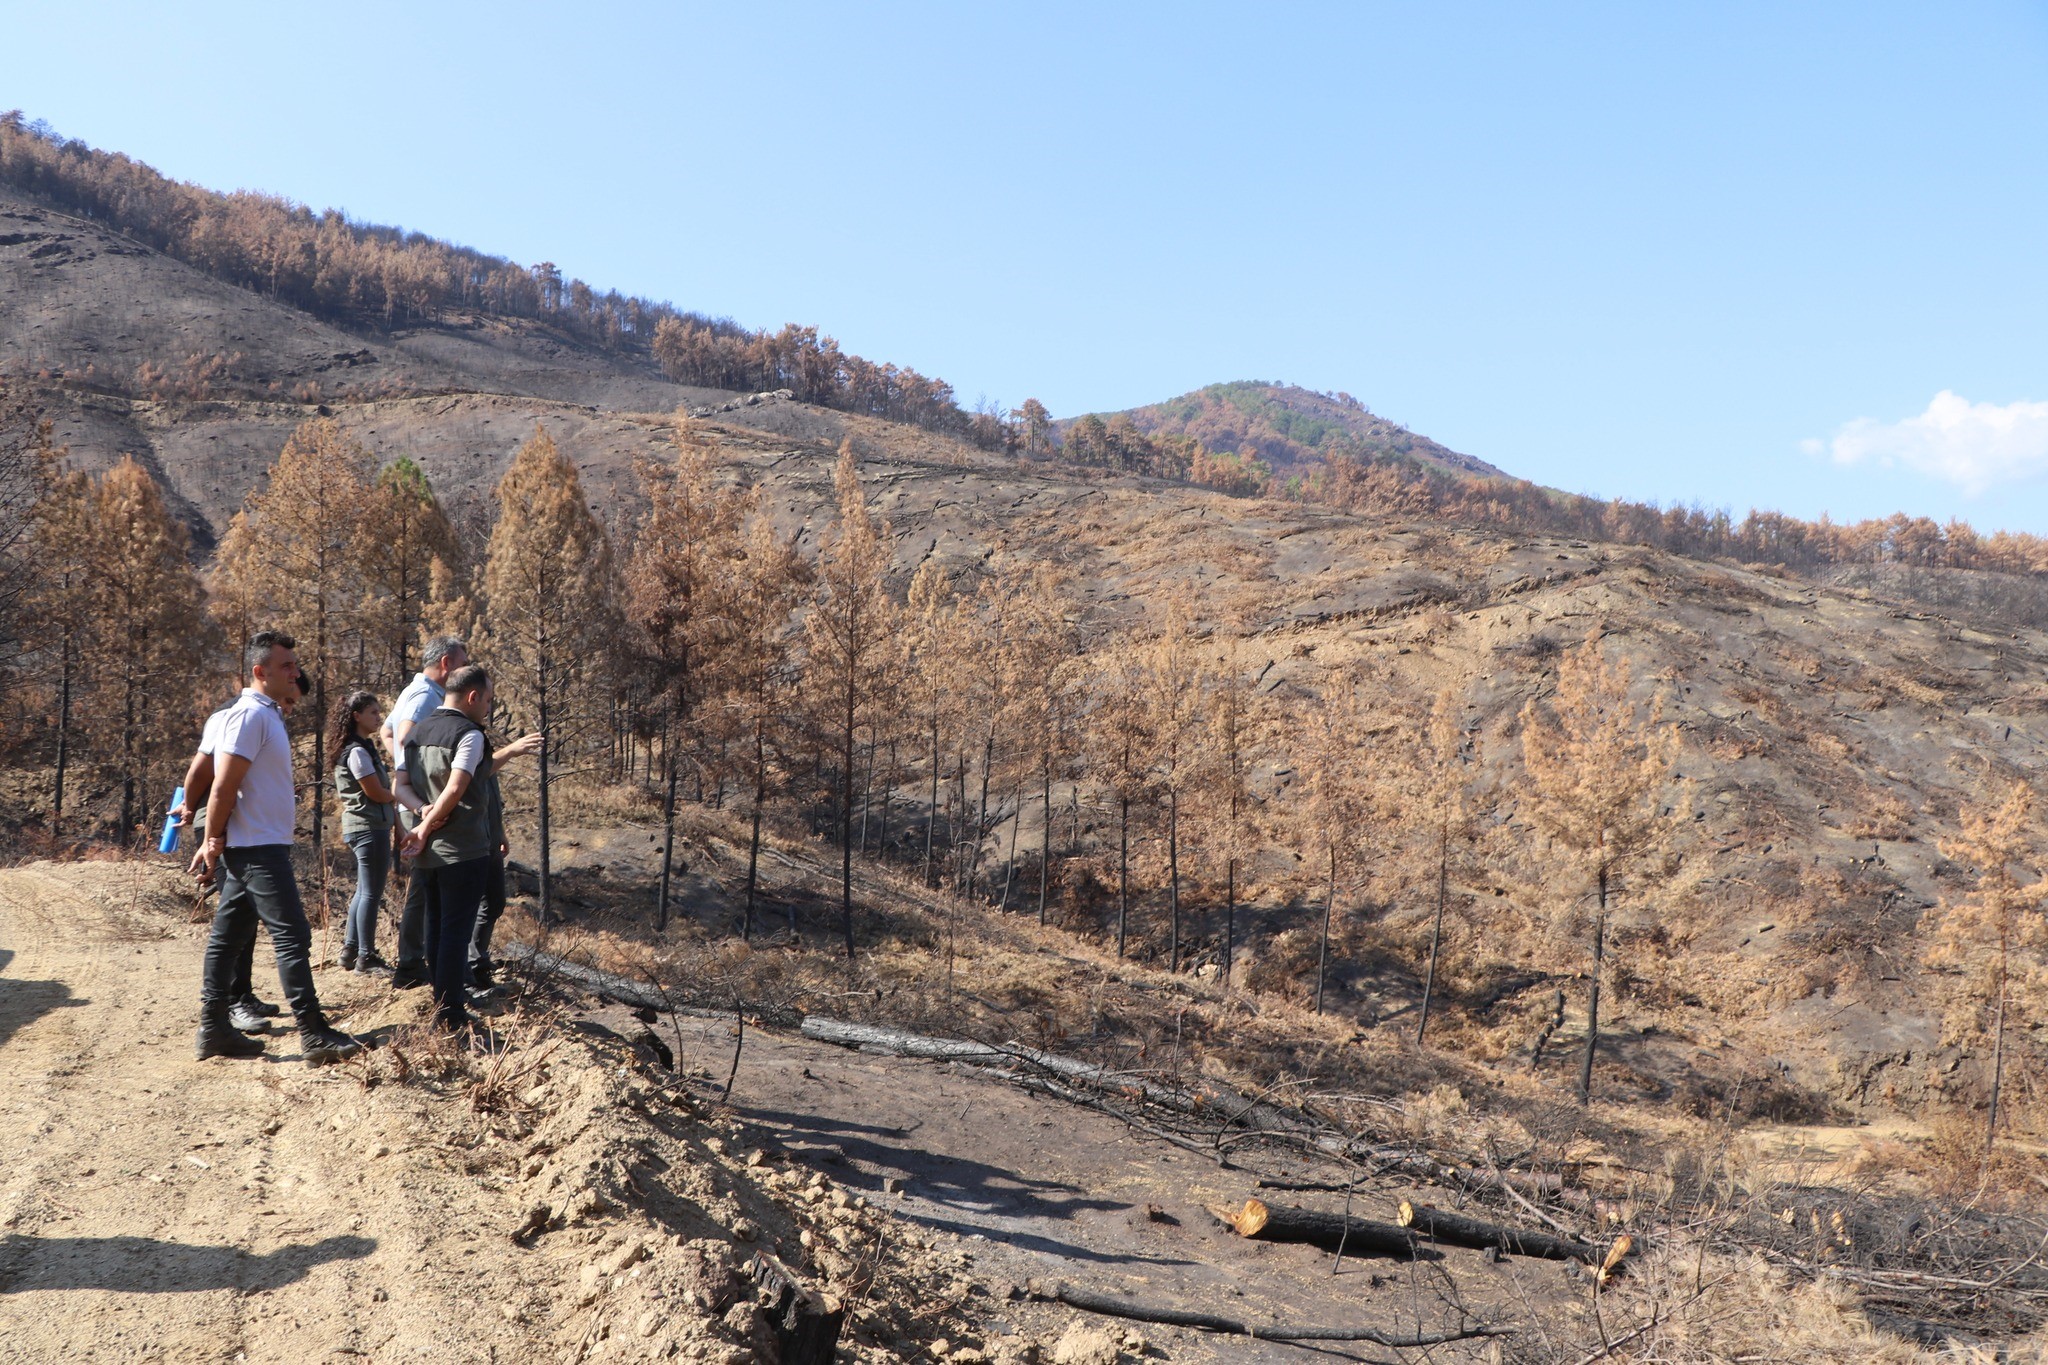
column 534, row 1223
column 892, row 1184
column 1084, row 1343
column 378, row 1149
column 743, row 1230
column 510, row 1311
column 378, row 1296
column 650, row 1323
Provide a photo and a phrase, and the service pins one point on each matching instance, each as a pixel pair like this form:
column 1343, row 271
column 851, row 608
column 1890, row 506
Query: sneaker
column 370, row 964
column 483, row 974
column 242, row 1019
column 323, row 1045
column 348, row 959
column 263, row 1008
column 408, row 976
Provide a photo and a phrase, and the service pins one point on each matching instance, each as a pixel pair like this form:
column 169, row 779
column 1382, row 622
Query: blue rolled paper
column 169, row 843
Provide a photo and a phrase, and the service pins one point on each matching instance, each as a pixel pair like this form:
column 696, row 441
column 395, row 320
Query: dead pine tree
column 1120, row 751
column 413, row 535
column 768, row 583
column 1444, row 812
column 1173, row 704
column 1226, row 734
column 551, row 601
column 1338, row 807
column 850, row 631
column 54, row 604
column 1597, row 762
column 1978, row 932
column 677, row 602
column 1049, row 676
column 931, row 627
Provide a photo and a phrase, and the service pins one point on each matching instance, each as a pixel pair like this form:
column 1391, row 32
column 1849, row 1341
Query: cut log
column 1456, row 1229
column 1331, row 1231
column 806, row 1327
column 1112, row 1306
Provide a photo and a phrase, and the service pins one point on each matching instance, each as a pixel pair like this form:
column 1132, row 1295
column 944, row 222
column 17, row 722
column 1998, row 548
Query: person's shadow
column 24, row 1002
column 145, row 1265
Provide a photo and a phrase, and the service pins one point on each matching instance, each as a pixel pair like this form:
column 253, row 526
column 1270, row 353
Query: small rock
column 892, row 1184
column 1083, row 1343
column 715, row 1146
column 378, row 1296
column 743, row 1230
column 942, row 1347
column 631, row 1254
column 650, row 1323
column 510, row 1311
column 378, row 1149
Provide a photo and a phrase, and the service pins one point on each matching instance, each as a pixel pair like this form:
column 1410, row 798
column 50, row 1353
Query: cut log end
column 1251, row 1219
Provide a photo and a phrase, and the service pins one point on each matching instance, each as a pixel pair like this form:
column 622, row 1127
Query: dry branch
column 1110, row 1306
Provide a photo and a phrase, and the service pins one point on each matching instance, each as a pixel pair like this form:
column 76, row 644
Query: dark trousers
column 412, row 921
column 373, row 864
column 453, row 895
column 259, row 886
column 493, row 908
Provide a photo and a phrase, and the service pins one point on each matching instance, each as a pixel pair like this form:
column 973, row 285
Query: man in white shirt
column 422, row 697
column 250, row 827
column 246, row 1012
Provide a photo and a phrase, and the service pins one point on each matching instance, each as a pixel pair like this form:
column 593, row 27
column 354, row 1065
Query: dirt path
column 160, row 1209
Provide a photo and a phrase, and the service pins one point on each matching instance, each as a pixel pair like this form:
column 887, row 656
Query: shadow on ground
column 145, row 1265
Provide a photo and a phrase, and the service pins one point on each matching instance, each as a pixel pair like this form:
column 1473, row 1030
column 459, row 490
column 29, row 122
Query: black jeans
column 258, row 885
column 453, row 896
column 412, row 921
column 493, row 908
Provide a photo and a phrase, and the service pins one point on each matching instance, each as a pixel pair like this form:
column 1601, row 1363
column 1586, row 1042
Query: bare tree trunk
column 867, row 794
column 1436, row 932
column 1173, row 880
column 1593, row 993
column 1229, row 915
column 63, row 734
column 547, row 891
column 1045, row 852
column 1016, row 804
column 889, row 776
column 988, row 754
column 846, row 809
column 1323, row 953
column 931, row 818
column 1123, row 874
column 668, row 839
column 1997, row 1046
column 754, row 840
column 128, row 812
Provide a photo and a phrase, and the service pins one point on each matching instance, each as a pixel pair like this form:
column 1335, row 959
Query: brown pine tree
column 1173, row 704
column 1597, row 762
column 551, row 603
column 1119, row 751
column 300, row 557
column 1443, row 811
column 414, row 541
column 677, row 583
column 850, row 632
column 57, row 610
column 1338, row 808
column 148, row 625
column 768, row 585
column 1979, row 932
column 1225, row 790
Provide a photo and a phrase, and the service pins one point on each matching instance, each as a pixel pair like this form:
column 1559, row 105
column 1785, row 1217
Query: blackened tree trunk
column 668, row 835
column 1323, row 953
column 1045, row 853
column 1593, row 992
column 1173, row 881
column 1436, row 932
column 1123, row 874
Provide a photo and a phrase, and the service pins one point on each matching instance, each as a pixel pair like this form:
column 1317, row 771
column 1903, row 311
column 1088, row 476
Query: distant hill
column 1286, row 426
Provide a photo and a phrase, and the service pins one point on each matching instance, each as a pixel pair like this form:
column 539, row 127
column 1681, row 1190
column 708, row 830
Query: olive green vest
column 429, row 760
column 359, row 814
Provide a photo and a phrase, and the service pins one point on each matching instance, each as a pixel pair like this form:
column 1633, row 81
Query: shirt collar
column 249, row 692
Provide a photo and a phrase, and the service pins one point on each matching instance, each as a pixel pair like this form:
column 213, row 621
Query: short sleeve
column 209, row 734
column 360, row 764
column 243, row 733
column 471, row 752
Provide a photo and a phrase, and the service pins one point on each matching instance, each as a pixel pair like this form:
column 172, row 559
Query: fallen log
column 1440, row 1225
column 1110, row 1306
column 1261, row 1222
column 806, row 1327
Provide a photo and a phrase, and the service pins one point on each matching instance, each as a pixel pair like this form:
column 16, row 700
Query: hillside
column 1290, row 427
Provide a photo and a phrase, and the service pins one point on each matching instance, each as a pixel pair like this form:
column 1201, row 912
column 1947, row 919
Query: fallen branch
column 1110, row 1306
column 1440, row 1225
column 1331, row 1231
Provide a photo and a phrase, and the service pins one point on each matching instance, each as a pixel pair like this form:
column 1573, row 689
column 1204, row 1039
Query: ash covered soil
column 162, row 1209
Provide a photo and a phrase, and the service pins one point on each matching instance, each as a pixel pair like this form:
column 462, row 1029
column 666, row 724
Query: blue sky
column 1788, row 256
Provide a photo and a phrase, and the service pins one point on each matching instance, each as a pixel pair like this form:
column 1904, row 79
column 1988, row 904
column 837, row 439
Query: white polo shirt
column 209, row 734
column 265, row 808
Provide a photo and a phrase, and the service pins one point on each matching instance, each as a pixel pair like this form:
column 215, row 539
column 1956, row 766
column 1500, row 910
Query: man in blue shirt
column 421, row 698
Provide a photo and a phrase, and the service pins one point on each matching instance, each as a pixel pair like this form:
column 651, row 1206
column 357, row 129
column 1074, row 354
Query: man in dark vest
column 449, row 767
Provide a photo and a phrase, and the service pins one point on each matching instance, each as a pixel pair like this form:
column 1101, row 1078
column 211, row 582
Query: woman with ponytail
column 362, row 779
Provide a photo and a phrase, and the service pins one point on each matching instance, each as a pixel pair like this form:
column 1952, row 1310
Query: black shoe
column 218, row 1038
column 323, row 1045
column 483, row 974
column 245, row 1020
column 348, row 959
column 408, row 976
column 264, row 1008
column 369, row 964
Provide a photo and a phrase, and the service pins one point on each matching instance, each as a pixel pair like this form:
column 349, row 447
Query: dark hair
column 439, row 648
column 262, row 642
column 468, row 678
column 341, row 725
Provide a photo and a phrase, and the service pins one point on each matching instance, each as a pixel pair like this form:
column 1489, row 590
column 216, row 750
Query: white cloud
column 1972, row 445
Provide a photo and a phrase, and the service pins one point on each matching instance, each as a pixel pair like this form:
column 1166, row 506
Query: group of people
column 433, row 800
